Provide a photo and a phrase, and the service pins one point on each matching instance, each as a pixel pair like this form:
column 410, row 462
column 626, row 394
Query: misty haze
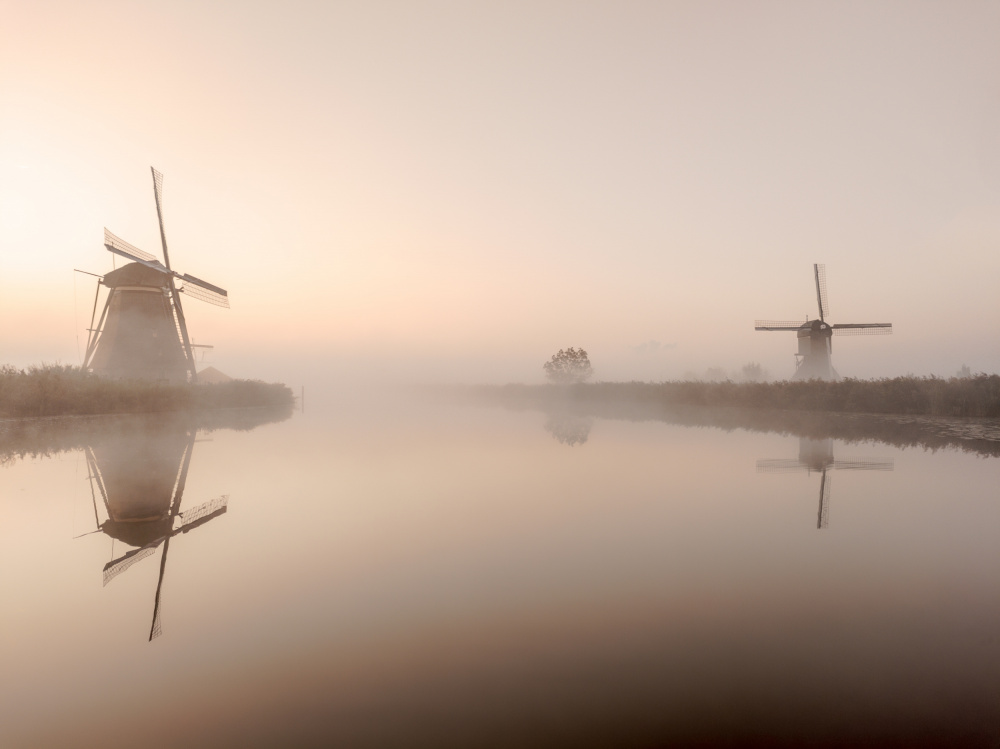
column 404, row 374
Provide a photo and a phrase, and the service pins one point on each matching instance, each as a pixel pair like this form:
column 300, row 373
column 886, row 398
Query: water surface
column 406, row 573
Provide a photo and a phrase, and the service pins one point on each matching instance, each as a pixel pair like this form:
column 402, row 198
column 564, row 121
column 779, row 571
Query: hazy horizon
column 451, row 191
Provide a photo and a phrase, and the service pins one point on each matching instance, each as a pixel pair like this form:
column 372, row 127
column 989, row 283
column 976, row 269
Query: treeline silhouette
column 59, row 390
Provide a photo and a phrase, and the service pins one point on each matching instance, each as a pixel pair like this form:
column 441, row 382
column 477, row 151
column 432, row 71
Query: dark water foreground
column 398, row 573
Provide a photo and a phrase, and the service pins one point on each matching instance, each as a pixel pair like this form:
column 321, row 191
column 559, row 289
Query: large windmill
column 142, row 333
column 140, row 478
column 817, row 456
column 815, row 336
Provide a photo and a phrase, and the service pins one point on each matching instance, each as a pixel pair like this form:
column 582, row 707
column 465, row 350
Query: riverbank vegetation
column 975, row 396
column 62, row 390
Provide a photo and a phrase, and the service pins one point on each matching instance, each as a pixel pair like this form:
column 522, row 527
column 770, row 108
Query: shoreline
column 976, row 396
column 619, row 401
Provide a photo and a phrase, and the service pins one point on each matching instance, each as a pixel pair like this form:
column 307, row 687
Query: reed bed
column 976, row 396
column 62, row 390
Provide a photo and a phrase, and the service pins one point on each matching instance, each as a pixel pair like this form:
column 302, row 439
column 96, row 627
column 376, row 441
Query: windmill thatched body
column 139, row 338
column 815, row 337
column 142, row 332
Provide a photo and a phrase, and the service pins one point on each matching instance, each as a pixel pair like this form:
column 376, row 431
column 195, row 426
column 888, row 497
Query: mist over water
column 393, row 570
column 409, row 202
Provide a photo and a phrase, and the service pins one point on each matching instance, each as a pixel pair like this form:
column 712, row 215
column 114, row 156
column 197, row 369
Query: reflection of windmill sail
column 189, row 521
column 115, row 567
column 141, row 476
column 142, row 332
column 815, row 336
column 823, row 516
column 817, row 455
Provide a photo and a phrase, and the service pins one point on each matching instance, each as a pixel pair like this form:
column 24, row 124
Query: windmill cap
column 136, row 274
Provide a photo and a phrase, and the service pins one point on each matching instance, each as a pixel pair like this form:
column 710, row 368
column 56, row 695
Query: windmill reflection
column 817, row 456
column 140, row 475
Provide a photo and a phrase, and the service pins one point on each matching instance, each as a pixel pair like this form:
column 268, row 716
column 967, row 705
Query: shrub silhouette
column 568, row 366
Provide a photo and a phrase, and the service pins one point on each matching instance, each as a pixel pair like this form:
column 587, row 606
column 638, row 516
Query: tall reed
column 57, row 390
column 931, row 396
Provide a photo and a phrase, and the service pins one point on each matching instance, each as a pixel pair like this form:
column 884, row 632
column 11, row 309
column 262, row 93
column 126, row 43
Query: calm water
column 437, row 575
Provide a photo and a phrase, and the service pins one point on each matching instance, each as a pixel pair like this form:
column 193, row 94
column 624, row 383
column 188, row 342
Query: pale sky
column 459, row 189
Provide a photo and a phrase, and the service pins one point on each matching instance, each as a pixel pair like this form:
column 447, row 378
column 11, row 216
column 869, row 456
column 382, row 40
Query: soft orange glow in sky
column 461, row 189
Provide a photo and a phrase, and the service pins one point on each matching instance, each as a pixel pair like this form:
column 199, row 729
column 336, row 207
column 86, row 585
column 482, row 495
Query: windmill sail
column 203, row 290
column 201, row 514
column 156, row 628
column 117, row 566
column 778, row 324
column 868, row 328
column 864, row 464
column 781, row 465
column 823, row 516
column 119, row 246
column 158, row 197
column 824, row 305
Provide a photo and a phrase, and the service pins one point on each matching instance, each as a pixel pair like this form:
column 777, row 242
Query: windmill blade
column 777, row 324
column 821, row 300
column 178, row 310
column 114, row 568
column 864, row 464
column 780, row 465
column 865, row 328
column 191, row 519
column 158, row 195
column 119, row 246
column 823, row 516
column 203, row 290
column 157, row 188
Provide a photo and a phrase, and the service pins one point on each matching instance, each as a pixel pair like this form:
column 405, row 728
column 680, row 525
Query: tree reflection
column 569, row 429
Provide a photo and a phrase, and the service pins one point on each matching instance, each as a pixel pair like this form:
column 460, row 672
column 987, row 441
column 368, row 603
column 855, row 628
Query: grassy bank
column 977, row 396
column 58, row 390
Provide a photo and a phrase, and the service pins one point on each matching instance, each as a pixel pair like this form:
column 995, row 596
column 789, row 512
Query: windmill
column 140, row 477
column 815, row 336
column 817, row 456
column 142, row 332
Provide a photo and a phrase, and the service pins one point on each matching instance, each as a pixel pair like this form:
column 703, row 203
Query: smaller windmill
column 142, row 332
column 815, row 336
column 141, row 479
column 817, row 456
